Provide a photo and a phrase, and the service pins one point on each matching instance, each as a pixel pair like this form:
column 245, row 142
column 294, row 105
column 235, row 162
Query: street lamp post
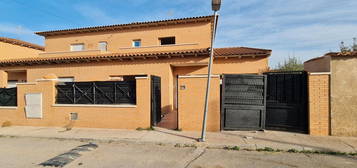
column 216, row 5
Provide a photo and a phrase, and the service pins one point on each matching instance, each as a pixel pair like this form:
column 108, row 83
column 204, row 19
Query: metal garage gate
column 287, row 101
column 155, row 100
column 243, row 102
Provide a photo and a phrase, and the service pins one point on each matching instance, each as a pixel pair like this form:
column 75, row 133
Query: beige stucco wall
column 3, row 79
column 100, row 71
column 321, row 64
column 344, row 96
column 191, row 103
column 188, row 36
column 11, row 51
column 90, row 116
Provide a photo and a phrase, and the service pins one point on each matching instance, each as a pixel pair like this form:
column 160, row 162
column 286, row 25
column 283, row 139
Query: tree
column 291, row 64
column 344, row 48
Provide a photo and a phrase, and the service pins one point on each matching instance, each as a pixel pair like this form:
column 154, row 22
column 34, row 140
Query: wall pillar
column 3, row 79
column 319, row 104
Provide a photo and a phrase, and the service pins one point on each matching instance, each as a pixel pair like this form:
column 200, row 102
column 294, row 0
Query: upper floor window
column 167, row 40
column 102, row 46
column 136, row 43
column 77, row 47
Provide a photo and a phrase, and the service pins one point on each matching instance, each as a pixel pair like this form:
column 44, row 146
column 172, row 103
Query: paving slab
column 243, row 139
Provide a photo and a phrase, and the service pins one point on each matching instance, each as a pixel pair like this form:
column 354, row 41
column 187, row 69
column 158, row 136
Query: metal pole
column 204, row 123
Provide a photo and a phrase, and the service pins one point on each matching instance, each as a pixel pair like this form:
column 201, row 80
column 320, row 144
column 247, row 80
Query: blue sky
column 301, row 28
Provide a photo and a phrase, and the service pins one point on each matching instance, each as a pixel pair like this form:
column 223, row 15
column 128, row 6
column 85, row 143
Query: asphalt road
column 30, row 152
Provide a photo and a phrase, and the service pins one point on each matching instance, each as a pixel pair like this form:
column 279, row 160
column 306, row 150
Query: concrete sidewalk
column 244, row 139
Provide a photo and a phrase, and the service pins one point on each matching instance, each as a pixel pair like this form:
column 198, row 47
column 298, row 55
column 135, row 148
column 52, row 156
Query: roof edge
column 21, row 43
column 208, row 18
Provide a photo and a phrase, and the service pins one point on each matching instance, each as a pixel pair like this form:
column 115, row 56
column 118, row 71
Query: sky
column 301, row 28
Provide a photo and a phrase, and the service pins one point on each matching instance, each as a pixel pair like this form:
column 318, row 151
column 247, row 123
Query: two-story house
column 168, row 49
column 16, row 49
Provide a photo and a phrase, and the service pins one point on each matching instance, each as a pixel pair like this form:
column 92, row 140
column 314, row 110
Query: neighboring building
column 169, row 49
column 343, row 89
column 16, row 49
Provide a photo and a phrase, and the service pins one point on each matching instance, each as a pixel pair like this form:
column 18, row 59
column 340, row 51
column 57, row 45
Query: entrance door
column 155, row 100
column 287, row 101
column 243, row 102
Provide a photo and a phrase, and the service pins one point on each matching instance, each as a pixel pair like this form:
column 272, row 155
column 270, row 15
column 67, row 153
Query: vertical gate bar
column 115, row 92
column 94, row 92
column 74, row 93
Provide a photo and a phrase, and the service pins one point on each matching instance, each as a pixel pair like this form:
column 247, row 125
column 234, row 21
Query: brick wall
column 319, row 107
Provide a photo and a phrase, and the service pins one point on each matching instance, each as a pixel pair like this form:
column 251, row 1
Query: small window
column 65, row 79
column 167, row 40
column 102, row 46
column 136, row 43
column 77, row 47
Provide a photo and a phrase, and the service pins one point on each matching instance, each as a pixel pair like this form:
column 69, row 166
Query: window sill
column 96, row 105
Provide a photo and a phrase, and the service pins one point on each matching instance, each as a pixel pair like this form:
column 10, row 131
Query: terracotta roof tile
column 219, row 52
column 21, row 43
column 241, row 51
column 127, row 26
column 112, row 56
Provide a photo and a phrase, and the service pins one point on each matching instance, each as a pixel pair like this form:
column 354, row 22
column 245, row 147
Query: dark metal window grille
column 109, row 92
column 8, row 96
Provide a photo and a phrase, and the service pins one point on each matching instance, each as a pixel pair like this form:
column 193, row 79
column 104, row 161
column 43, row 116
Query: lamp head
column 216, row 5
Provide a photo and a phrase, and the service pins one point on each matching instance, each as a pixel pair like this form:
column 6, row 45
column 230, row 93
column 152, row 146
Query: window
column 65, row 79
column 136, row 43
column 77, row 47
column 102, row 46
column 167, row 40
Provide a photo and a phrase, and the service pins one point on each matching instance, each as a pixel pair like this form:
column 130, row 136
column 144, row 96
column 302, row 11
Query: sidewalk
column 243, row 139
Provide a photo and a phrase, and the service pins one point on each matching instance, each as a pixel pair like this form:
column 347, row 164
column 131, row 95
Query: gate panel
column 243, row 102
column 287, row 101
column 155, row 100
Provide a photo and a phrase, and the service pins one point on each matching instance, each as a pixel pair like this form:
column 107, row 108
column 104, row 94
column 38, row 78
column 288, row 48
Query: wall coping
column 319, row 73
column 29, row 83
column 95, row 105
column 198, row 76
column 8, row 107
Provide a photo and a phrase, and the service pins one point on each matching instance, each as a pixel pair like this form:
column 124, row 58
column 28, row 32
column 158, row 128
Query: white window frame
column 103, row 47
column 137, row 40
column 81, row 47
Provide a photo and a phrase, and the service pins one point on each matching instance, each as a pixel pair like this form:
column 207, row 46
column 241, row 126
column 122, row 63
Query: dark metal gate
column 8, row 96
column 155, row 100
column 106, row 92
column 243, row 102
column 287, row 101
